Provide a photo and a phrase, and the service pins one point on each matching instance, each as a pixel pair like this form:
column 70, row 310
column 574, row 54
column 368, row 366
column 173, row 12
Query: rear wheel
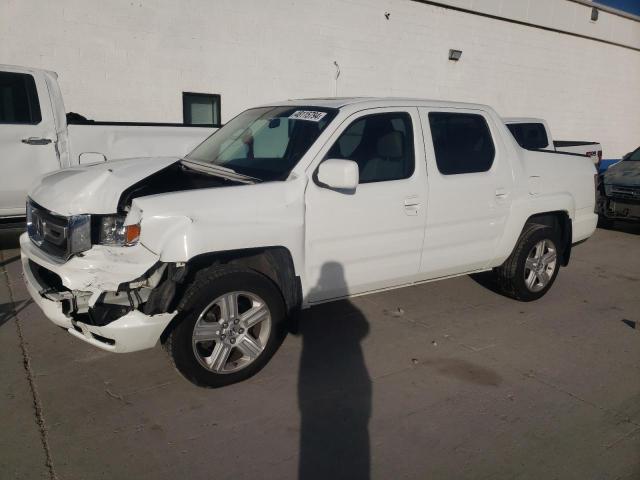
column 532, row 267
column 232, row 323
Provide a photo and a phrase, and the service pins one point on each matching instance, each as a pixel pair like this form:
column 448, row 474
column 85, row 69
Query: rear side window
column 462, row 142
column 18, row 99
column 381, row 145
column 531, row 136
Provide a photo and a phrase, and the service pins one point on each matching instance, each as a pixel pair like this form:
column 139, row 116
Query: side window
column 381, row 145
column 531, row 136
column 462, row 142
column 18, row 99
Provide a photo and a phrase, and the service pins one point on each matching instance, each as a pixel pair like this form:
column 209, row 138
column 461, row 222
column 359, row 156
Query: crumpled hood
column 625, row 173
column 95, row 188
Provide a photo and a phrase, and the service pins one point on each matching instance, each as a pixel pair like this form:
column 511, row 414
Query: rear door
column 27, row 137
column 370, row 238
column 470, row 190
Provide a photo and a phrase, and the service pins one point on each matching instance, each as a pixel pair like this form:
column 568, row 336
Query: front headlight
column 113, row 231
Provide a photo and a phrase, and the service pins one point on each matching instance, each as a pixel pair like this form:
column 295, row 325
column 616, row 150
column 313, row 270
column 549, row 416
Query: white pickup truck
column 534, row 134
column 290, row 205
column 35, row 137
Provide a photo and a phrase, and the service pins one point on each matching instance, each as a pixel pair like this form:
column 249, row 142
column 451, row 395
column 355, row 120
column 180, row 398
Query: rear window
column 531, row 136
column 18, row 99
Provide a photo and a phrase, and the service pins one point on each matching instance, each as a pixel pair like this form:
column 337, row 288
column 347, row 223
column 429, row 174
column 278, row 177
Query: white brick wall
column 130, row 60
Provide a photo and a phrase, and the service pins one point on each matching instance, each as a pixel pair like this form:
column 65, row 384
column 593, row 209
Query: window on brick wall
column 200, row 108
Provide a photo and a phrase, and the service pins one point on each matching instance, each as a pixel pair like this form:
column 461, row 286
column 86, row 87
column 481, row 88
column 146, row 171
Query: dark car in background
column 620, row 190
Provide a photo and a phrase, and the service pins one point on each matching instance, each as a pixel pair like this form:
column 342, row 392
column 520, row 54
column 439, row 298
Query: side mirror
column 87, row 158
column 627, row 156
column 339, row 174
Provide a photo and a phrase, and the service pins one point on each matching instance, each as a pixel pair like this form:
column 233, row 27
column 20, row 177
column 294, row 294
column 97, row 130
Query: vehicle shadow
column 10, row 238
column 9, row 260
column 334, row 388
column 632, row 228
column 9, row 310
column 487, row 280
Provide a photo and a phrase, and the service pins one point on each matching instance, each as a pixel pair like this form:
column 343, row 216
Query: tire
column 214, row 344
column 514, row 276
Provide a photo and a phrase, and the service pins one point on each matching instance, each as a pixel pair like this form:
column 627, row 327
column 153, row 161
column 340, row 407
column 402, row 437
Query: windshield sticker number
column 308, row 115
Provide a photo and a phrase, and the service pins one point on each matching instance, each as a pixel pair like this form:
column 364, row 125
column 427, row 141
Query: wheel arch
column 274, row 262
column 560, row 220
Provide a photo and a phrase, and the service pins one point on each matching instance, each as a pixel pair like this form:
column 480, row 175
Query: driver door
column 370, row 238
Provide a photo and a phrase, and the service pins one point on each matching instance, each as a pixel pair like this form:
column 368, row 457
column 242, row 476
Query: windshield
column 634, row 157
column 264, row 143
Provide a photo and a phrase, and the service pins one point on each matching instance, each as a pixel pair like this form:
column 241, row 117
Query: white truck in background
column 35, row 137
column 534, row 134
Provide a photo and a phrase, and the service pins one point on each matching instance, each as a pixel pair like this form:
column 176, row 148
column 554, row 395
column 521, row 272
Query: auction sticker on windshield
column 307, row 115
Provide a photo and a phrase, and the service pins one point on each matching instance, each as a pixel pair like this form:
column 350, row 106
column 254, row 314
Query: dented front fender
column 179, row 226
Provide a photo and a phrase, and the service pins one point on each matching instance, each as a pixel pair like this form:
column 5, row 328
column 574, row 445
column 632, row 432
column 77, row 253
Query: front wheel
column 232, row 324
column 532, row 267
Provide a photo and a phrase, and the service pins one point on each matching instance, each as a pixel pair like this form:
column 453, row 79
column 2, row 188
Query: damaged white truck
column 290, row 205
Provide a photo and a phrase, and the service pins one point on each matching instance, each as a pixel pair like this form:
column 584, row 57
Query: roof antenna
column 335, row 90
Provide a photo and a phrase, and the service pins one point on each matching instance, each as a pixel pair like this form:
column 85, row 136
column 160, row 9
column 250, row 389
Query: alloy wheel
column 540, row 265
column 231, row 332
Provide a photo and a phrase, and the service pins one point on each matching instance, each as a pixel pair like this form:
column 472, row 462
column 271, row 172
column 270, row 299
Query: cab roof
column 522, row 120
column 371, row 102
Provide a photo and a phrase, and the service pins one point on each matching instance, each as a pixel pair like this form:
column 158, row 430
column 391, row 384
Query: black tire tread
column 197, row 287
column 505, row 274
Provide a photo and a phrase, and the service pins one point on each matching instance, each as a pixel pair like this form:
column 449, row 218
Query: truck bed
column 572, row 143
column 126, row 139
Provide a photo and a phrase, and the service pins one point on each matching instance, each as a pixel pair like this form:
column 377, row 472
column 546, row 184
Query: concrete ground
column 441, row 381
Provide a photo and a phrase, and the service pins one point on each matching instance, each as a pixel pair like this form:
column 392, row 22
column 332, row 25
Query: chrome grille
column 48, row 231
column 57, row 235
column 625, row 192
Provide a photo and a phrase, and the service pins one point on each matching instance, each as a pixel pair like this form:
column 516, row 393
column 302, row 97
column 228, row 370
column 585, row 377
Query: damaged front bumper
column 99, row 296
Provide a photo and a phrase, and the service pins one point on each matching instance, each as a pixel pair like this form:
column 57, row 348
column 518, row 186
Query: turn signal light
column 132, row 233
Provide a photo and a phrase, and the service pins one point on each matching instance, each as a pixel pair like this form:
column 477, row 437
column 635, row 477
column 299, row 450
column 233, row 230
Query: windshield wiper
column 219, row 170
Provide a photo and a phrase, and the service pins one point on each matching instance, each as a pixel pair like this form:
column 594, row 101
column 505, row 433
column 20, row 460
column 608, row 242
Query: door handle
column 412, row 205
column 502, row 193
column 36, row 141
